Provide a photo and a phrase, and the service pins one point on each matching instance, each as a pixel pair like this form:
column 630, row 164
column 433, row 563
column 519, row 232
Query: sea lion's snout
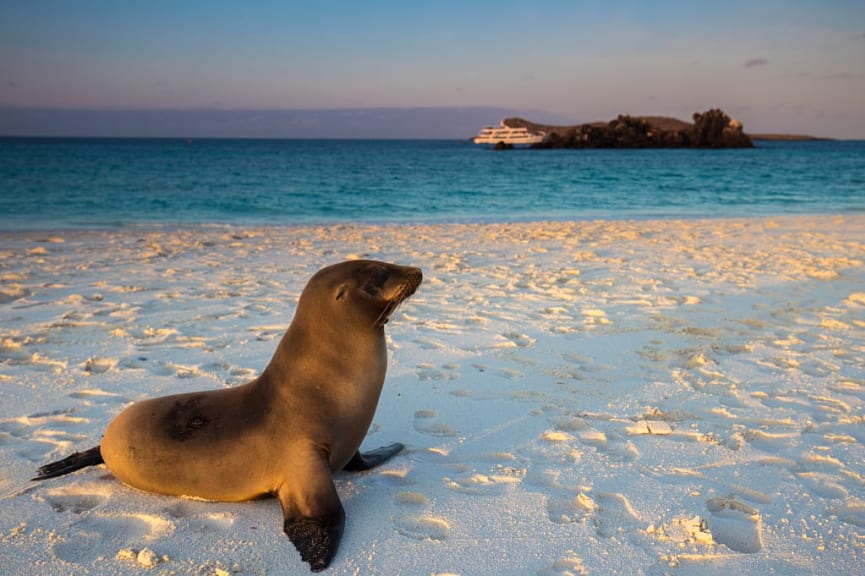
column 402, row 284
column 414, row 278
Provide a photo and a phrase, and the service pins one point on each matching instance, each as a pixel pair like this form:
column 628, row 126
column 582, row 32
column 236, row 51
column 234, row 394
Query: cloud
column 755, row 62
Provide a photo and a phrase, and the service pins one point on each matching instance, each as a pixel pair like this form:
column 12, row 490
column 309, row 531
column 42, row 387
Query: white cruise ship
column 508, row 135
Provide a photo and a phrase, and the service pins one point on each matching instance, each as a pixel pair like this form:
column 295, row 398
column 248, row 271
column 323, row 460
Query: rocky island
column 710, row 129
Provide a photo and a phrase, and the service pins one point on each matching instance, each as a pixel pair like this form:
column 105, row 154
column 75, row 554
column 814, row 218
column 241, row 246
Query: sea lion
column 286, row 432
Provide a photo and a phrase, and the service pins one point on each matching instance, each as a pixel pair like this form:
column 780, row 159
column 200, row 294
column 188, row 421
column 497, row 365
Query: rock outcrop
column 711, row 129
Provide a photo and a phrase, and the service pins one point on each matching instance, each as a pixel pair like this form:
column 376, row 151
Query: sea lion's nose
column 415, row 277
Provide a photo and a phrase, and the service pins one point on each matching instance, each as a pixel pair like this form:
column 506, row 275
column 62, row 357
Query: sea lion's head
column 364, row 291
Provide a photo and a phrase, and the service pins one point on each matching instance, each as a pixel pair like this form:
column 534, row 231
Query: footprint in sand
column 500, row 479
column 615, row 515
column 506, row 373
column 617, row 446
column 509, row 374
column 56, row 433
column 849, row 387
column 411, row 499
column 570, row 564
column 44, row 434
column 93, row 396
column 78, row 498
column 683, row 530
column 823, row 485
column 99, row 365
column 139, row 362
column 564, row 510
column 735, row 524
column 417, row 524
column 517, row 340
column 422, row 527
column 93, row 534
column 395, row 477
column 427, row 372
column 12, row 431
column 853, row 513
column 160, row 368
column 429, row 344
column 201, row 516
column 568, row 423
column 770, row 442
column 427, row 422
column 565, row 503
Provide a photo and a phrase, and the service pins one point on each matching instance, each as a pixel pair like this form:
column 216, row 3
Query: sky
column 792, row 66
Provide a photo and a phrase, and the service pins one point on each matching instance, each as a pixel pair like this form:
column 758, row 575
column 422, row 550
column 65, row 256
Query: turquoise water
column 75, row 183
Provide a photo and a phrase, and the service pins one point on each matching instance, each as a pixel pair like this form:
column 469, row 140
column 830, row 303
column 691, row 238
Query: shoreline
column 576, row 397
column 443, row 222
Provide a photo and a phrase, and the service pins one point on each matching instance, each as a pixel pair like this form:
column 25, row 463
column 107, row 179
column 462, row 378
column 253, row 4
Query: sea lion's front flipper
column 313, row 515
column 360, row 462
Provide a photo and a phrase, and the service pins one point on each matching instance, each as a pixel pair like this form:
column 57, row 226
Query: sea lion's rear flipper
column 360, row 462
column 69, row 464
column 313, row 515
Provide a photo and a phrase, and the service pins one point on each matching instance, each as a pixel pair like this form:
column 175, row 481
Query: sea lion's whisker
column 388, row 311
column 385, row 314
column 405, row 290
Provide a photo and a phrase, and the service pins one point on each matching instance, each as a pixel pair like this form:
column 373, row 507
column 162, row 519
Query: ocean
column 104, row 183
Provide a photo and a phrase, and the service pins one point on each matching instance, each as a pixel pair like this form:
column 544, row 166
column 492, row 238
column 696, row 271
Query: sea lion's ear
column 341, row 293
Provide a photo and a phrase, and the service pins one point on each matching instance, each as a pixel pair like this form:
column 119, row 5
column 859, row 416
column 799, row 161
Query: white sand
column 577, row 398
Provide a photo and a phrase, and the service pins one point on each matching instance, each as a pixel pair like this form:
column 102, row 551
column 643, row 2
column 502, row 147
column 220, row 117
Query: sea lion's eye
column 341, row 294
column 376, row 281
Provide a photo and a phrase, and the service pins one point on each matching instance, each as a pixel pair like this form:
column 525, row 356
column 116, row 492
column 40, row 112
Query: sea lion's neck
column 346, row 350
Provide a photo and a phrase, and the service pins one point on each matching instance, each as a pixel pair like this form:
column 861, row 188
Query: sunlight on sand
column 650, row 397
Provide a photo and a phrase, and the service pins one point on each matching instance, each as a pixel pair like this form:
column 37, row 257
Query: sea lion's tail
column 69, row 464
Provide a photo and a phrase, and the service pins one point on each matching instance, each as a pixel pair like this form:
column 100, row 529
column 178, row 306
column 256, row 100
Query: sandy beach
column 638, row 397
